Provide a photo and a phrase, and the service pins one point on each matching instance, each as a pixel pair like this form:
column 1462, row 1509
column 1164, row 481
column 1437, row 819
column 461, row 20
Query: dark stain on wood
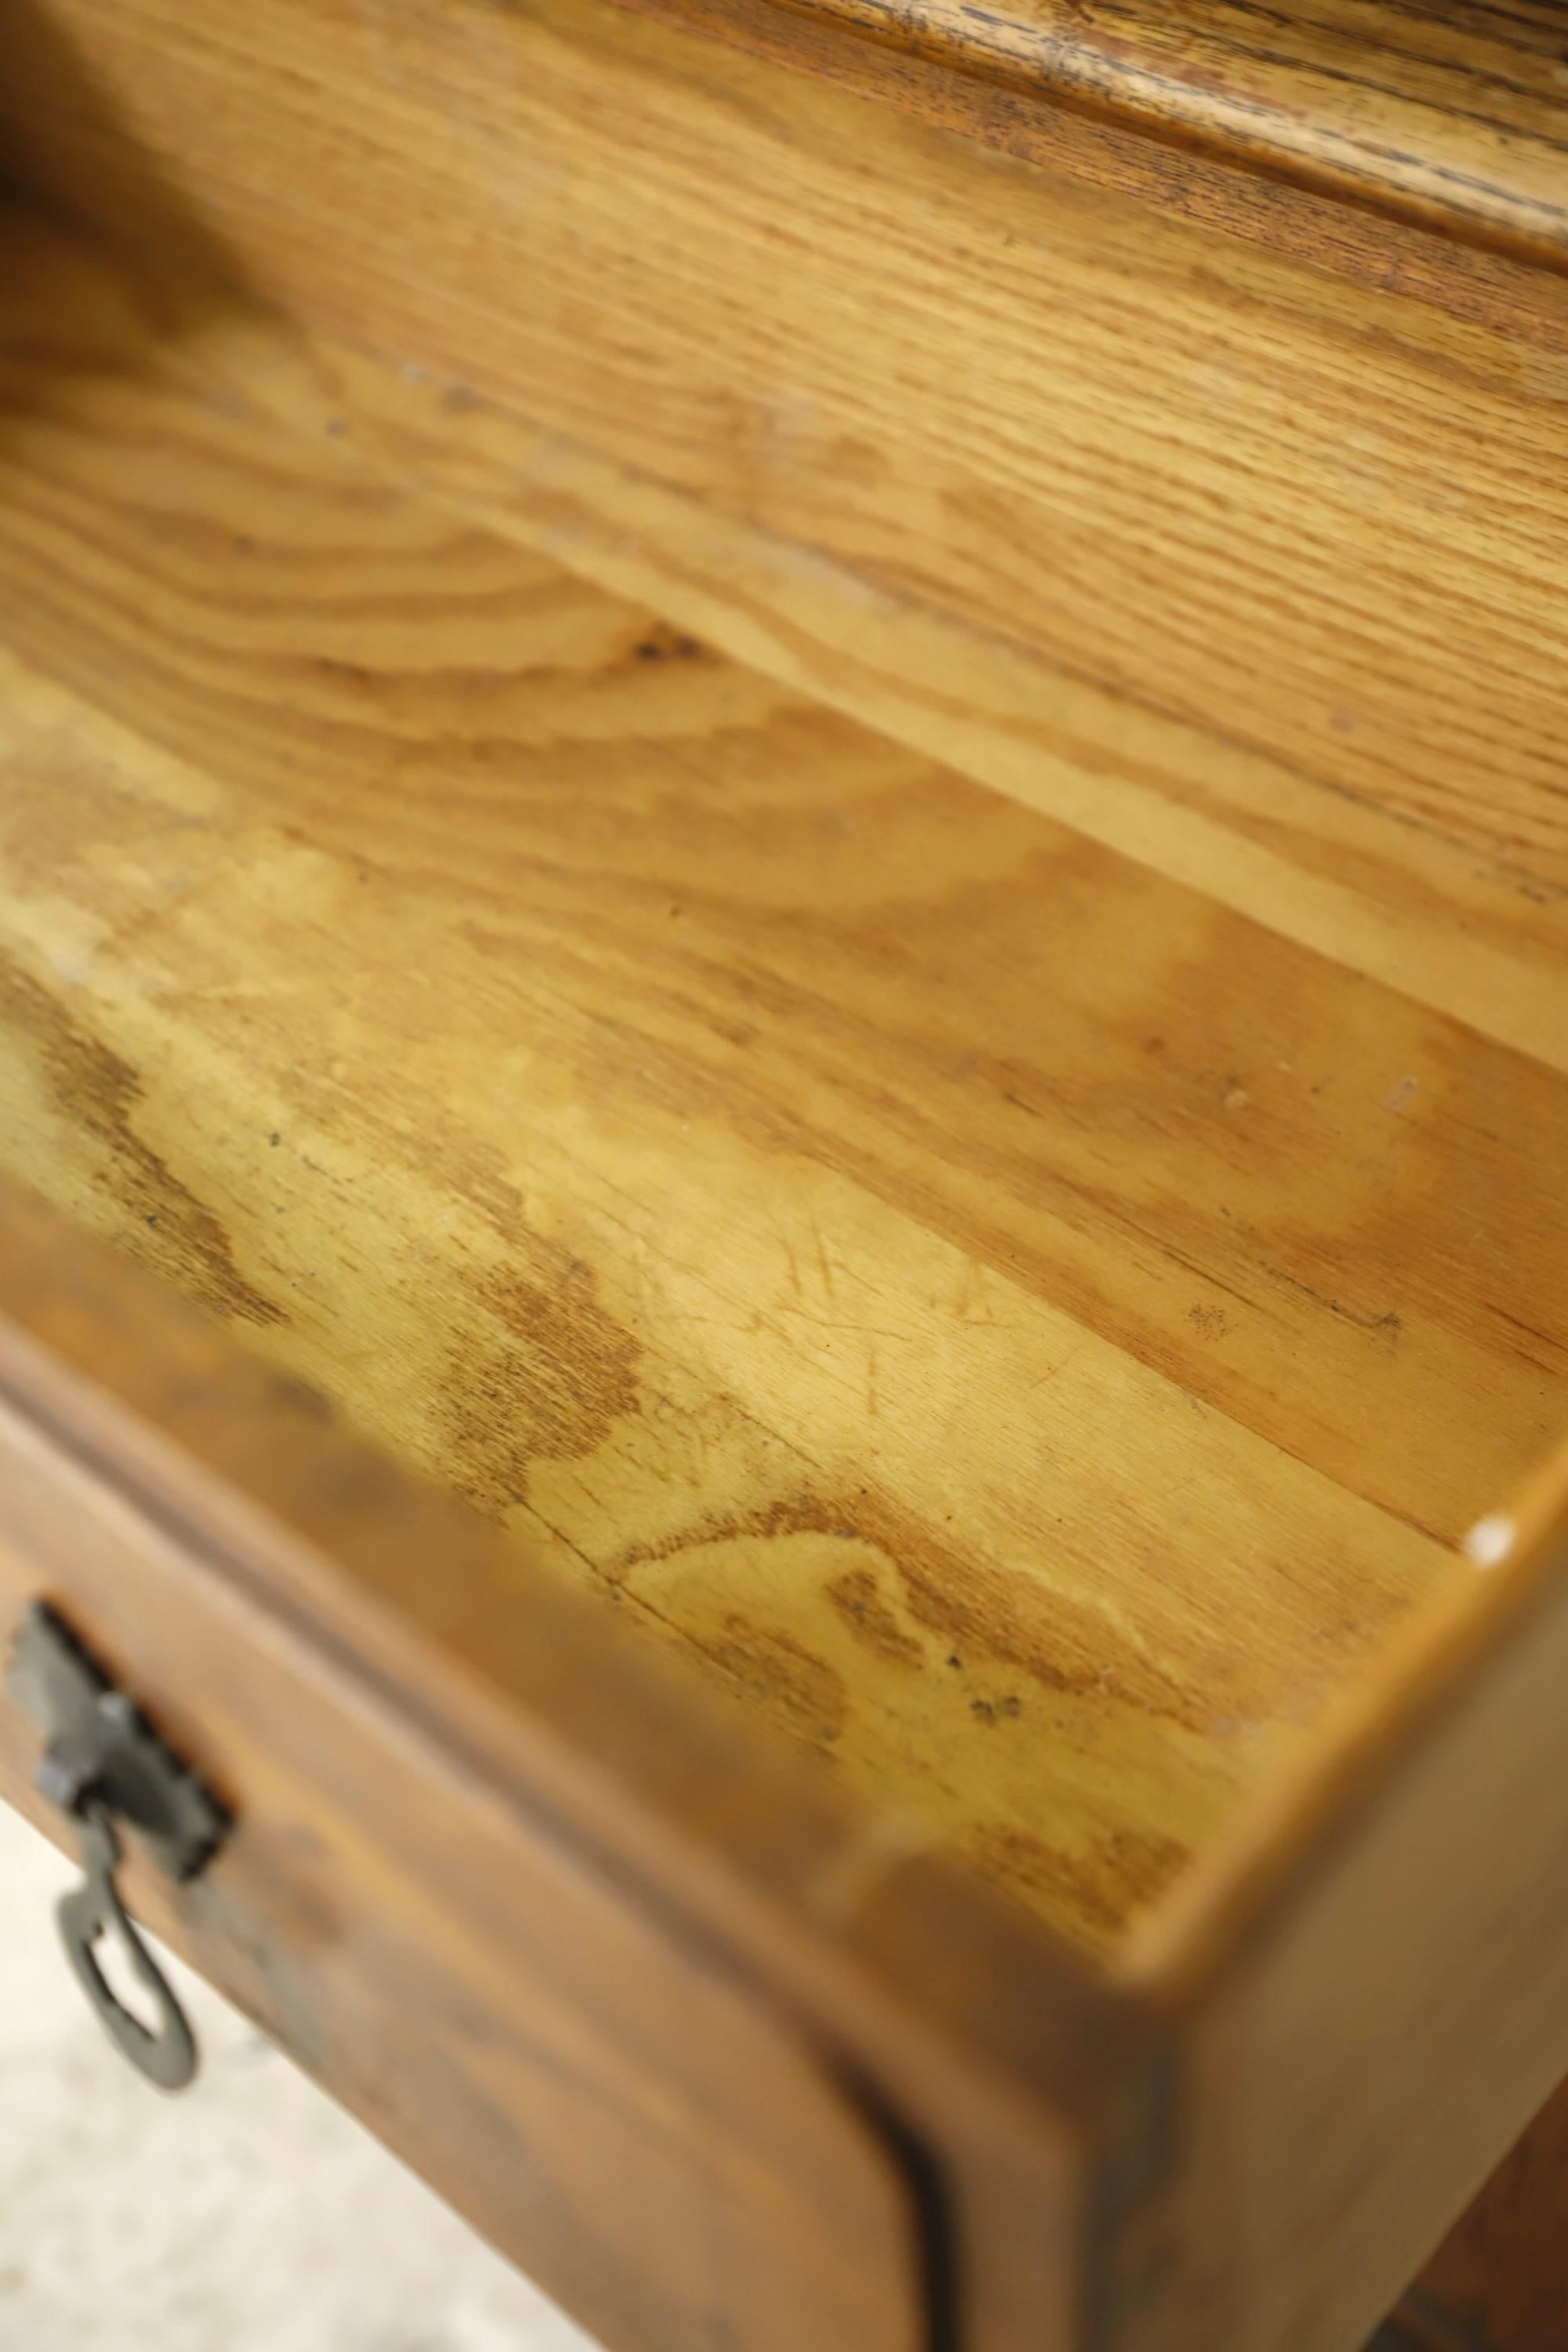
column 859, row 1599
column 1122, row 1873
column 800, row 1690
column 176, row 1234
column 543, row 1373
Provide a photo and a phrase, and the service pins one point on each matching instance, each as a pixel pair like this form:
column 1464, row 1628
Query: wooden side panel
column 601, row 2094
column 1045, row 97
column 1383, row 2009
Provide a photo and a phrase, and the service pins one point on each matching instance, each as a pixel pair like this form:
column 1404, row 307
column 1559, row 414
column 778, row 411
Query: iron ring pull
column 108, row 1771
column 165, row 2055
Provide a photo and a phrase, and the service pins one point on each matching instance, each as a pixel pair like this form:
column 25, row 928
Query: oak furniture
column 783, row 1081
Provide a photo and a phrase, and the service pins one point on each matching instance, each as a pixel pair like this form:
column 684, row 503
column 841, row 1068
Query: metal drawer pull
column 104, row 1765
column 166, row 2054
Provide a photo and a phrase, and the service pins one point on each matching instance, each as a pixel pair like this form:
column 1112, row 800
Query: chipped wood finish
column 625, row 1089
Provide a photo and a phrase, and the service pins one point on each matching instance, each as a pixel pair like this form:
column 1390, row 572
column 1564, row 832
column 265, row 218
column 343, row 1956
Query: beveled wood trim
column 1387, row 106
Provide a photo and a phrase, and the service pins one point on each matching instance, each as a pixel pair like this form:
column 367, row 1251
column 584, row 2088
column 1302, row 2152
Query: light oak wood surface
column 937, row 1272
column 1454, row 113
column 1279, row 146
column 594, row 1952
column 1236, row 563
column 1396, row 902
column 1384, row 1942
column 1023, row 1289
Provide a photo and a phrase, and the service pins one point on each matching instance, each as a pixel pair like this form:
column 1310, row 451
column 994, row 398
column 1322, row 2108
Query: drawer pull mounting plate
column 104, row 1766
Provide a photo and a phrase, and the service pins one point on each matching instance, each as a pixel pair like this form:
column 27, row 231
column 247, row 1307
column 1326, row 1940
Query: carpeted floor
column 249, row 2214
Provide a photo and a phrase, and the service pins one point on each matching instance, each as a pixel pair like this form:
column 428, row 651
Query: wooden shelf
column 1455, row 116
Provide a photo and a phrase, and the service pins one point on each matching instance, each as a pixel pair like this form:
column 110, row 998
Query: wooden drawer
column 878, row 1252
column 418, row 1903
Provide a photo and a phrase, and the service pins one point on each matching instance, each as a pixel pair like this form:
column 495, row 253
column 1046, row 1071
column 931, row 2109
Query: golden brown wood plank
column 854, row 1223
column 1394, row 903
column 1383, row 243
column 697, row 2040
column 1378, row 1955
column 1244, row 569
column 60, row 135
column 616, row 2114
column 1454, row 113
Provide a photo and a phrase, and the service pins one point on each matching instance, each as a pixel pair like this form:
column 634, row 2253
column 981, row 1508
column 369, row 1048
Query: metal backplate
column 98, row 1740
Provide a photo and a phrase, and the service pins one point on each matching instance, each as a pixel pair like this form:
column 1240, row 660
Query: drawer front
column 588, row 2076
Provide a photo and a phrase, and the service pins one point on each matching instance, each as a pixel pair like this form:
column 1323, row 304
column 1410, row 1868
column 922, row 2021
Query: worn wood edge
column 379, row 1894
column 915, row 673
column 1369, row 1971
column 575, row 1720
column 1045, row 73
column 1427, row 1674
column 986, row 2059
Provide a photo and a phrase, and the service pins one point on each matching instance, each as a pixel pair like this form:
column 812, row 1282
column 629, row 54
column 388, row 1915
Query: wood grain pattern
column 611, row 2108
column 618, row 1973
column 656, row 1107
column 1491, row 281
column 231, row 1623
column 1397, row 904
column 736, row 1152
column 1384, row 1942
column 1244, row 569
column 1404, row 2037
column 1457, row 114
